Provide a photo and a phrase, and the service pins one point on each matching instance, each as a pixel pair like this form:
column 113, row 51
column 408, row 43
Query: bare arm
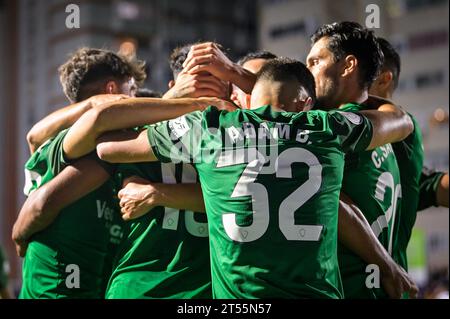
column 63, row 118
column 355, row 233
column 139, row 196
column 125, row 147
column 390, row 124
column 442, row 191
column 82, row 136
column 43, row 206
column 207, row 57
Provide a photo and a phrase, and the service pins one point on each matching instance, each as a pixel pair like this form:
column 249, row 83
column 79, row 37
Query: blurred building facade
column 419, row 29
column 148, row 28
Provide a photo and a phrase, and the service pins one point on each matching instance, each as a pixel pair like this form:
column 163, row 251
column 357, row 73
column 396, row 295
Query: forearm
column 81, row 139
column 355, row 233
column 442, row 191
column 242, row 78
column 181, row 196
column 390, row 124
column 54, row 123
column 33, row 217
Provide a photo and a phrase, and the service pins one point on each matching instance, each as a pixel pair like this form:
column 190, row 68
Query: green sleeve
column 49, row 160
column 177, row 140
column 353, row 130
column 429, row 182
column 3, row 270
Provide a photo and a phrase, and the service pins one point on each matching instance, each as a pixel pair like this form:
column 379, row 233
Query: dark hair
column 284, row 70
column 265, row 55
column 347, row 38
column 179, row 55
column 143, row 92
column 391, row 59
column 87, row 66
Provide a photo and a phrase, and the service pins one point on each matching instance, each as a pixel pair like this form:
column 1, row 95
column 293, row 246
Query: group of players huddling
column 265, row 178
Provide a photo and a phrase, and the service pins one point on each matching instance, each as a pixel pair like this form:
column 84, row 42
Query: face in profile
column 325, row 69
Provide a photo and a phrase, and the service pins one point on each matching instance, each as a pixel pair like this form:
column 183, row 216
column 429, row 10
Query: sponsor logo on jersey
column 178, row 127
column 352, row 117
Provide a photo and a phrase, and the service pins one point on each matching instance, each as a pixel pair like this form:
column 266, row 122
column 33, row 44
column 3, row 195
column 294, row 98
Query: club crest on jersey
column 178, row 127
column 352, row 117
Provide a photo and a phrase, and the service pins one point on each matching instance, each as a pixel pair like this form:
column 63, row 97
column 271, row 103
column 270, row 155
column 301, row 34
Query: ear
column 385, row 78
column 350, row 65
column 308, row 105
column 111, row 88
column 303, row 105
column 171, row 84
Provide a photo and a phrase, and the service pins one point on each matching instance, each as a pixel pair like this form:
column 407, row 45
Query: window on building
column 288, row 30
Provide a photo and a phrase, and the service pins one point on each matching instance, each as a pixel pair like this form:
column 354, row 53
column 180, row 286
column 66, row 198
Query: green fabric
column 429, row 183
column 287, row 248
column 372, row 181
column 84, row 234
column 166, row 252
column 3, row 270
column 410, row 156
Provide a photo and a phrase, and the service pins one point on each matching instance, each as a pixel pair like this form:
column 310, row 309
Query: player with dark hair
column 420, row 187
column 243, row 215
column 345, row 59
column 252, row 62
column 70, row 226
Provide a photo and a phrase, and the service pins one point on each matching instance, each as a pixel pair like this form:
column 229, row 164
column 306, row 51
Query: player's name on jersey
column 381, row 154
column 249, row 133
column 242, row 144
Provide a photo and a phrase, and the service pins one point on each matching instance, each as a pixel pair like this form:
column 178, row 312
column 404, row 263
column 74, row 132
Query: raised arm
column 207, row 57
column 355, row 233
column 43, row 205
column 139, row 196
column 82, row 136
column 390, row 124
column 63, row 118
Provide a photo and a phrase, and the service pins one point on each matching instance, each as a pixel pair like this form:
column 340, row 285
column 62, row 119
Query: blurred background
column 34, row 41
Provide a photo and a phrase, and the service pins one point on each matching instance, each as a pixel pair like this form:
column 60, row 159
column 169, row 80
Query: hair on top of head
column 285, row 70
column 179, row 55
column 265, row 55
column 350, row 38
column 392, row 61
column 144, row 92
column 89, row 65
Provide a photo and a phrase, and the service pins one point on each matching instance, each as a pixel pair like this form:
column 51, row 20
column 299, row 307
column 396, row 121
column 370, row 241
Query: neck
column 353, row 95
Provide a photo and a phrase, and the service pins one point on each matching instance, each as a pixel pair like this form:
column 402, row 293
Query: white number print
column 172, row 215
column 386, row 180
column 246, row 186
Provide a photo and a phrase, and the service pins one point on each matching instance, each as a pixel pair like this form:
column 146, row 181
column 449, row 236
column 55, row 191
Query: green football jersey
column 410, row 155
column 166, row 252
column 429, row 183
column 70, row 258
column 271, row 183
column 372, row 181
column 4, row 269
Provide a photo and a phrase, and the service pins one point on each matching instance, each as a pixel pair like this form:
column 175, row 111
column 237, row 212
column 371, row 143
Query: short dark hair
column 265, row 55
column 285, row 69
column 177, row 58
column 143, row 92
column 87, row 66
column 392, row 60
column 347, row 38
column 179, row 55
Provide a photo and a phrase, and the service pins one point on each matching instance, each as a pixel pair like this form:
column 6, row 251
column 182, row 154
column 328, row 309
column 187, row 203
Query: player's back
column 77, row 246
column 372, row 181
column 271, row 183
column 165, row 253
